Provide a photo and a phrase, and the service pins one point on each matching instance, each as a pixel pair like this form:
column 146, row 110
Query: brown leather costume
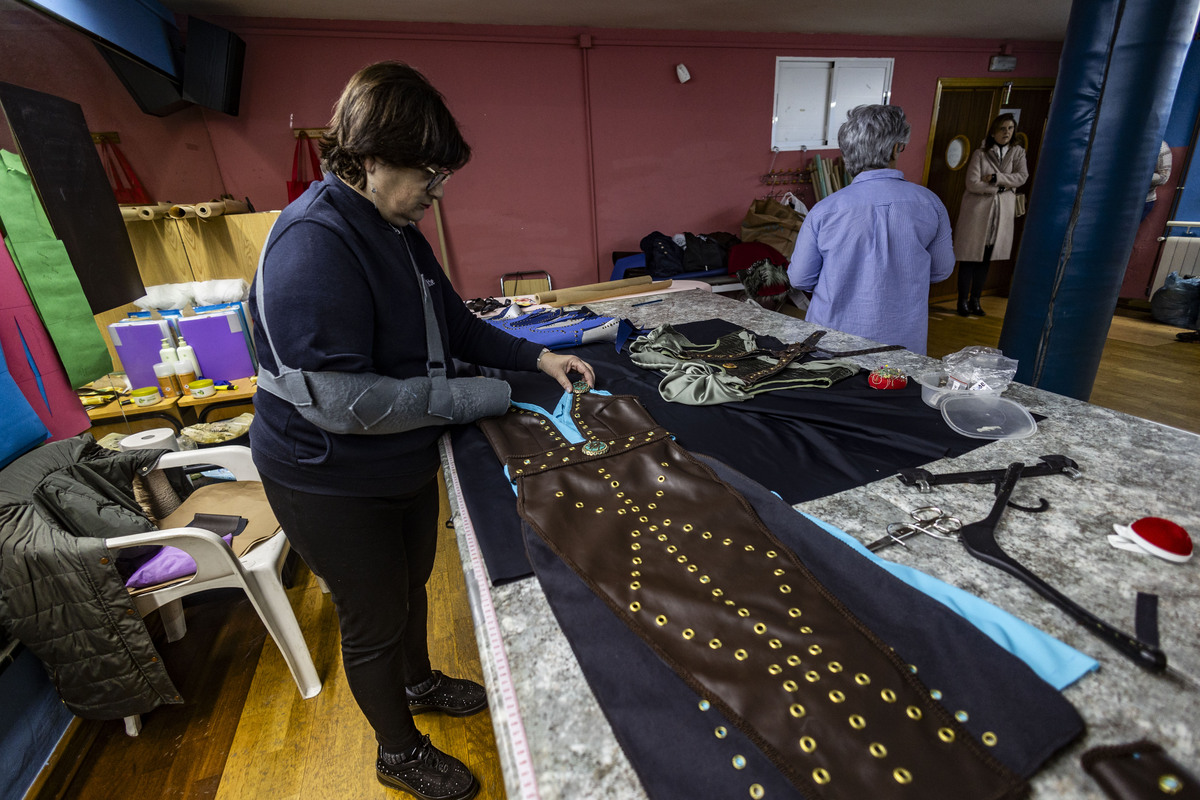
column 683, row 560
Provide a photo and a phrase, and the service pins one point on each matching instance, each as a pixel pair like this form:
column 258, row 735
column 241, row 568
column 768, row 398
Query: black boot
column 427, row 772
column 963, row 308
column 974, row 308
column 454, row 696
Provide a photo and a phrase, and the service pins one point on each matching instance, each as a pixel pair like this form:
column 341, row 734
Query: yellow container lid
column 145, row 391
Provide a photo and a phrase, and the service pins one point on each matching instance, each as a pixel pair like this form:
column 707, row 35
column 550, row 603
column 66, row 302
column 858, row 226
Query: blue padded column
column 1120, row 65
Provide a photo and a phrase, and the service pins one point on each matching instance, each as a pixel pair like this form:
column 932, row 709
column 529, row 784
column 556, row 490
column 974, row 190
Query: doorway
column 963, row 109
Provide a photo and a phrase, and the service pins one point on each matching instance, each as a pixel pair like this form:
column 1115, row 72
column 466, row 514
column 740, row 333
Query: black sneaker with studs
column 454, row 696
column 427, row 773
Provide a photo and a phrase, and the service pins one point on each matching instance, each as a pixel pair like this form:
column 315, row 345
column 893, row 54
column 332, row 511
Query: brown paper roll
column 156, row 211
column 568, row 297
column 589, row 288
column 216, row 208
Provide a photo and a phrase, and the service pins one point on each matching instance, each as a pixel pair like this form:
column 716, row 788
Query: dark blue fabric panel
column 801, row 443
column 1120, row 65
column 672, row 743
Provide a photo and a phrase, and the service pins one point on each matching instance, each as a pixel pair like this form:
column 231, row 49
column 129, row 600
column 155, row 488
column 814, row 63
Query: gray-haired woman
column 984, row 229
column 869, row 252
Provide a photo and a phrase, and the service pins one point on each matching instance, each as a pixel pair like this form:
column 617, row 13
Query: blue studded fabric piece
column 558, row 328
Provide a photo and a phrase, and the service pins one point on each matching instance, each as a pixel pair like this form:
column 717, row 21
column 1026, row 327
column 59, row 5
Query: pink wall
column 578, row 151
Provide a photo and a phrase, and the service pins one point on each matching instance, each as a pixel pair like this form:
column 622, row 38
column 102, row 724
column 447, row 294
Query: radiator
column 1179, row 254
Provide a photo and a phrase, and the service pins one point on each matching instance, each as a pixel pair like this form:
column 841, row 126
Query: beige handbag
column 1019, row 204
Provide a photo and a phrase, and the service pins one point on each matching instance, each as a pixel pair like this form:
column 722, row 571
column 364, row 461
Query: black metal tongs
column 980, row 541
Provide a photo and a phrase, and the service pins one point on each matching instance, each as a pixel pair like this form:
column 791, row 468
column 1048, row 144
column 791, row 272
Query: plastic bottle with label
column 167, row 353
column 185, row 374
column 188, row 354
column 168, row 384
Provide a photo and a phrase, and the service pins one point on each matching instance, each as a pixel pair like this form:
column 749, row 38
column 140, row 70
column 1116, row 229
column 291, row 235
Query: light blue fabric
column 1058, row 664
column 869, row 252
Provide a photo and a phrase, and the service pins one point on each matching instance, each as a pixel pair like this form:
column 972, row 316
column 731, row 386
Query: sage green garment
column 45, row 269
column 702, row 383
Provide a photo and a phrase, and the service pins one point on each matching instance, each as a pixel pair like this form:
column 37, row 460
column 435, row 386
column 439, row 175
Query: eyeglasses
column 440, row 176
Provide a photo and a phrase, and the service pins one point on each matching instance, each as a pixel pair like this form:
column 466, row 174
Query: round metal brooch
column 595, row 448
column 580, row 387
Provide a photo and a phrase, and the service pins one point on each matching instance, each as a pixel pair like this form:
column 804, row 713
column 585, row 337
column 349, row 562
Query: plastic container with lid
column 146, row 396
column 983, row 416
column 936, row 386
column 202, row 388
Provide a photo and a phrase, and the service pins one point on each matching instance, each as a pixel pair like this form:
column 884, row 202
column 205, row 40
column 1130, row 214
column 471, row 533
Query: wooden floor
column 244, row 732
column 1144, row 370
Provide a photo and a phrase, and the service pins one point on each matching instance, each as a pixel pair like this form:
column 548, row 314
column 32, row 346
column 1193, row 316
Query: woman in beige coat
column 985, row 219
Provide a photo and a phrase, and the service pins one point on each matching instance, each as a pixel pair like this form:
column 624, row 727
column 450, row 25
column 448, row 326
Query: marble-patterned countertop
column 556, row 744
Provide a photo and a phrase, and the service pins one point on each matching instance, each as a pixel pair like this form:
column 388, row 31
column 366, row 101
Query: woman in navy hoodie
column 357, row 327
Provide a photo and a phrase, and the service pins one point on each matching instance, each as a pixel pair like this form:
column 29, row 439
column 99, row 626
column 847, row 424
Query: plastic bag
column 1177, row 302
column 978, row 367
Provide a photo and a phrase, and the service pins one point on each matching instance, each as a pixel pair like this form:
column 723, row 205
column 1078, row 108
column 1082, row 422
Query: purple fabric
column 166, row 565
column 869, row 252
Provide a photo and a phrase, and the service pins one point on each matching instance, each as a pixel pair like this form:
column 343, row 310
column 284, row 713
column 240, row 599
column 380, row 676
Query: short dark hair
column 389, row 111
column 868, row 135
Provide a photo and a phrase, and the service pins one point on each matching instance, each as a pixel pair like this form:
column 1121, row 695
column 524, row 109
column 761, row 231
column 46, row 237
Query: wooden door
column 962, row 113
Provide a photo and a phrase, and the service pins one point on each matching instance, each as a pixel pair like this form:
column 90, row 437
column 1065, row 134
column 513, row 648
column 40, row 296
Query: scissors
column 926, row 519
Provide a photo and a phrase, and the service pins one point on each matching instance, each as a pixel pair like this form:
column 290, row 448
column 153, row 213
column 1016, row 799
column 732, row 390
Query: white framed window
column 813, row 95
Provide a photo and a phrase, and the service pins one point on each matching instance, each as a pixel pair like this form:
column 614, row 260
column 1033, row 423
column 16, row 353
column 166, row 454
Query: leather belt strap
column 685, row 562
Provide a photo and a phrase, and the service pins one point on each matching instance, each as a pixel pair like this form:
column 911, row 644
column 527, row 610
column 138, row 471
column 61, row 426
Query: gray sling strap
column 362, row 402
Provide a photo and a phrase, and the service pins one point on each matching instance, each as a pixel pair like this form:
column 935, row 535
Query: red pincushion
column 1158, row 534
column 887, row 378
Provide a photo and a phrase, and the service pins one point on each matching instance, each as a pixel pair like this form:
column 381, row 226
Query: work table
column 555, row 742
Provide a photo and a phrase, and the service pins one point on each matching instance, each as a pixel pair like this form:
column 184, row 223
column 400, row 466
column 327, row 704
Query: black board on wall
column 66, row 170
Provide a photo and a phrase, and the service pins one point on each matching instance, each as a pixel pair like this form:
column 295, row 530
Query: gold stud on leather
column 837, row 697
column 715, row 644
column 743, row 612
column 757, row 792
column 760, row 628
column 857, row 722
column 599, row 510
column 902, row 775
column 778, row 572
column 888, row 696
column 635, row 585
column 720, row 732
column 740, row 655
column 790, row 686
column 793, row 613
column 793, row 661
column 660, row 620
column 805, row 629
column 946, row 735
column 771, row 554
column 821, row 776
column 635, row 546
column 797, row 710
column 775, row 644
column 877, row 750
column 814, row 650
column 705, row 579
column 989, row 739
column 688, row 633
column 637, row 560
column 688, row 527
column 692, row 568
column 706, row 535
column 635, row 606
column 558, row 494
column 808, row 744
column 749, row 548
column 812, row 676
column 862, row 679
column 785, row 589
column 913, row 712
column 579, row 505
column 739, row 762
column 774, row 669
column 835, row 667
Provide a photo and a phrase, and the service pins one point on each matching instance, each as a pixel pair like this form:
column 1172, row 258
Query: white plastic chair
column 256, row 572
